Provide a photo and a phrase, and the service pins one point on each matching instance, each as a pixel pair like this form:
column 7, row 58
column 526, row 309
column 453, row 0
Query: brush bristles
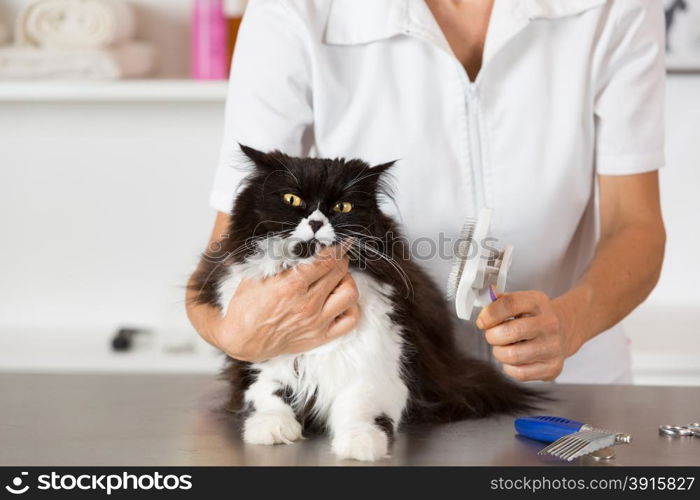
column 460, row 257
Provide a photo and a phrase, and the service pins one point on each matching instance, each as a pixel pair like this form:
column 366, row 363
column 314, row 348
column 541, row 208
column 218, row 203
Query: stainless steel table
column 177, row 420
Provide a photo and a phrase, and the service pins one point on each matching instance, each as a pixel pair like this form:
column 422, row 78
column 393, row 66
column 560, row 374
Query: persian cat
column 399, row 365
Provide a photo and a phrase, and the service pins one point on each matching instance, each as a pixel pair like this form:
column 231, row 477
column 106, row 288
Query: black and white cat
column 399, row 365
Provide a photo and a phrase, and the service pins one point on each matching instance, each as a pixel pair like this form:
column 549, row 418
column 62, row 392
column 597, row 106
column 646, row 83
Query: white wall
column 103, row 210
column 665, row 330
column 680, row 188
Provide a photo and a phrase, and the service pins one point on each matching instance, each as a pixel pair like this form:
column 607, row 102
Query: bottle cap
column 234, row 8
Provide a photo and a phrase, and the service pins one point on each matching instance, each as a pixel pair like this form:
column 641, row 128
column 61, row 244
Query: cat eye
column 342, row 207
column 292, row 199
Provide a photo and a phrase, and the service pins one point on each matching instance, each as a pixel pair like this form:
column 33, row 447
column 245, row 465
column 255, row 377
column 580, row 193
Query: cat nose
column 315, row 225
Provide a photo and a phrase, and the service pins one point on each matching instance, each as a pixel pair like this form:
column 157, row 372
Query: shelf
column 153, row 90
column 113, row 91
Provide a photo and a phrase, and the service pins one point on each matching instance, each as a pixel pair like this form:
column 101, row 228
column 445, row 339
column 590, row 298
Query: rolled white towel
column 75, row 24
column 128, row 60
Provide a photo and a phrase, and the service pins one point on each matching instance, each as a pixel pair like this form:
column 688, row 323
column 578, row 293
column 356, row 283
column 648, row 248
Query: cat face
column 312, row 202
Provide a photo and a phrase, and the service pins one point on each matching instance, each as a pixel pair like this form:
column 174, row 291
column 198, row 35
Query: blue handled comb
column 547, row 429
column 569, row 439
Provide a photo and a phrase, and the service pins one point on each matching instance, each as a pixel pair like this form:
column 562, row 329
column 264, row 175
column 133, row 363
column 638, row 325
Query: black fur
column 444, row 385
column 385, row 423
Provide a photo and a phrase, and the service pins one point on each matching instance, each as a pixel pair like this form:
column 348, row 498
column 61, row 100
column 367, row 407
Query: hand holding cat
column 293, row 311
column 530, row 334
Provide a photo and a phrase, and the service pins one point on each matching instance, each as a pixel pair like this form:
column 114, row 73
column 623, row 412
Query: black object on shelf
column 124, row 338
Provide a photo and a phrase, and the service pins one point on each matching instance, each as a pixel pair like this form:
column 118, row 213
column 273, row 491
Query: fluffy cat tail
column 474, row 389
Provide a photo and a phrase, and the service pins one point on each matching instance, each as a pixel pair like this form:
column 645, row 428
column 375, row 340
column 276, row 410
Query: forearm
column 623, row 272
column 205, row 318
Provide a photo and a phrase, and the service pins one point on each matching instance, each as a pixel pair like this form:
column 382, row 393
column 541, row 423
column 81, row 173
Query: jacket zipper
column 475, row 147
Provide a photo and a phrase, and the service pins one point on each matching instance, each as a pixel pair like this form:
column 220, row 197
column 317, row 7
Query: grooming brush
column 477, row 267
column 569, row 439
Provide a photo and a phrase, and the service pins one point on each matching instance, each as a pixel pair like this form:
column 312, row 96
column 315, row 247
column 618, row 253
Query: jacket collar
column 353, row 22
column 552, row 9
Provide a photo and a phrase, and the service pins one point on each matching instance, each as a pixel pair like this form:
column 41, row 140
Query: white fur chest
column 369, row 356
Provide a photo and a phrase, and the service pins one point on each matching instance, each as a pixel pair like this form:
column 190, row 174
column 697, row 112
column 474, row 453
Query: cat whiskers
column 249, row 244
column 346, row 225
column 285, row 167
column 359, row 246
column 358, row 235
column 360, row 177
column 272, row 222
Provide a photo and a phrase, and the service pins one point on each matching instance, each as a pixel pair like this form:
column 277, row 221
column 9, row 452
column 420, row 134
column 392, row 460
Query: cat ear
column 383, row 168
column 383, row 186
column 378, row 173
column 260, row 159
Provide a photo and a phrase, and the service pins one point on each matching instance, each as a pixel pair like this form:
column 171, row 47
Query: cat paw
column 271, row 428
column 366, row 443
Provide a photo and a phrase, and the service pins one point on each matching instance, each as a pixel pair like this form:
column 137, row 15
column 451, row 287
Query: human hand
column 291, row 312
column 530, row 334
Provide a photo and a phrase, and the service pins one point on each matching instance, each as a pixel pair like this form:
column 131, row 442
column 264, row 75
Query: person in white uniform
column 548, row 111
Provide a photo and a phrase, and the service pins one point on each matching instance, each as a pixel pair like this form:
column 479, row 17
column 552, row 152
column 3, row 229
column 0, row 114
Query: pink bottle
column 208, row 40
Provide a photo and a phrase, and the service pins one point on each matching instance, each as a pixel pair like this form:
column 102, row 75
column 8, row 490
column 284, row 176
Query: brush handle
column 545, row 428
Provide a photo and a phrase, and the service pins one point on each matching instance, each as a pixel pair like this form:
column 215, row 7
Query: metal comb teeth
column 579, row 444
